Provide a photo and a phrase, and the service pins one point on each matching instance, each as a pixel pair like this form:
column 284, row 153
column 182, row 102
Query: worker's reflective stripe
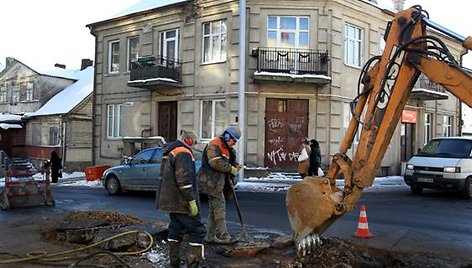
column 186, row 186
column 179, row 150
column 172, row 240
column 198, row 245
column 215, row 158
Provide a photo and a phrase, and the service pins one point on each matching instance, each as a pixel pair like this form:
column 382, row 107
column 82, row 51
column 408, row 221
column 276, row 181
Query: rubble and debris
column 268, row 249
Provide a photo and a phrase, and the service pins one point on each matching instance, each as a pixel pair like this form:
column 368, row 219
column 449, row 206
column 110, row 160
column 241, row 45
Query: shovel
column 243, row 227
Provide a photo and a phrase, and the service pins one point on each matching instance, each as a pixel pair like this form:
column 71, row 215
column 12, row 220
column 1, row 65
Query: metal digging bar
column 243, row 227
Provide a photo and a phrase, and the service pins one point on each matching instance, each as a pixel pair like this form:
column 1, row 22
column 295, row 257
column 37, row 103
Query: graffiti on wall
column 279, row 155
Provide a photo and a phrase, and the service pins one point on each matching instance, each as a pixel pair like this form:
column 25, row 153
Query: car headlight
column 410, row 166
column 452, row 169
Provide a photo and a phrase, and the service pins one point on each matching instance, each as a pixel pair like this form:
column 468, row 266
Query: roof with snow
column 66, row 100
column 10, row 117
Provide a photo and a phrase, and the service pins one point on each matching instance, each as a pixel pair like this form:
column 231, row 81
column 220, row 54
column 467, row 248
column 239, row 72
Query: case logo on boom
column 391, row 77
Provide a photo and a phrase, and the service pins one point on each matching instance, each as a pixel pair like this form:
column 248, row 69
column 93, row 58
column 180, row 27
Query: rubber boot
column 210, row 236
column 174, row 253
column 194, row 255
column 225, row 237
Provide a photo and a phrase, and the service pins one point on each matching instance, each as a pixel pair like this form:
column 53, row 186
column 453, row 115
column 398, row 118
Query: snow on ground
column 275, row 182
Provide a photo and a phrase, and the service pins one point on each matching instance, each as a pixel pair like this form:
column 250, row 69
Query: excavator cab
column 316, row 202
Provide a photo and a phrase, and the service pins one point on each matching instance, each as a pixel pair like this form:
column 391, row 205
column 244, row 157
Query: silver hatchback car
column 140, row 172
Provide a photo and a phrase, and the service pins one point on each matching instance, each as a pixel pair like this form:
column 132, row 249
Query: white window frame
column 114, row 121
column 3, row 93
column 428, row 127
column 297, row 31
column 215, row 128
column 353, row 46
column 447, row 125
column 216, row 39
column 113, row 67
column 29, row 91
column 132, row 53
column 164, row 45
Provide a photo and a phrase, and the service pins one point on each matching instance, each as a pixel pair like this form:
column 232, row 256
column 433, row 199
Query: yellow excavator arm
column 315, row 203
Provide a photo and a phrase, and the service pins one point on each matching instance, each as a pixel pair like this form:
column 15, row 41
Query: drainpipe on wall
column 461, row 121
column 242, row 84
column 64, row 141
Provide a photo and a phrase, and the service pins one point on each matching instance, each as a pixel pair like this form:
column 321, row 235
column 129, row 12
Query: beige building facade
column 174, row 67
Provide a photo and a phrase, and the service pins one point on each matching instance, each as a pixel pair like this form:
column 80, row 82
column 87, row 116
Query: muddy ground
column 265, row 250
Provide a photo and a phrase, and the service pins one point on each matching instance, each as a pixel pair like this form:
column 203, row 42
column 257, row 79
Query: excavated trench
column 79, row 229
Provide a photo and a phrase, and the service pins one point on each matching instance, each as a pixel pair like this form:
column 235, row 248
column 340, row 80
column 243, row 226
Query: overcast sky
column 42, row 33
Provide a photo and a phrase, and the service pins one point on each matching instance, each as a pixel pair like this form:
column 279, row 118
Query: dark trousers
column 181, row 224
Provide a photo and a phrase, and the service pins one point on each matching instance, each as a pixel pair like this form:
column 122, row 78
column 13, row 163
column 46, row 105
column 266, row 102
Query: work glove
column 234, row 170
column 193, row 208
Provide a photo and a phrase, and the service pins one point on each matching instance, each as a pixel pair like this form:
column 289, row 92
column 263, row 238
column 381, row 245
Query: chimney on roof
column 9, row 61
column 86, row 63
column 58, row 65
column 398, row 4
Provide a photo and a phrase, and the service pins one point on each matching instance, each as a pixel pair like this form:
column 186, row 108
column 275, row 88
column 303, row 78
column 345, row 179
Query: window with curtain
column 114, row 120
column 113, row 56
column 352, row 45
column 133, row 51
column 447, row 126
column 214, row 41
column 428, row 127
column 212, row 118
column 288, row 32
column 169, row 47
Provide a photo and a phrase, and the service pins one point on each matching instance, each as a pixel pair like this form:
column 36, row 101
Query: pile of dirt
column 112, row 218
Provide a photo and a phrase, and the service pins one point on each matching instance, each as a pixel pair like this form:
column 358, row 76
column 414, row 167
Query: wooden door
column 286, row 123
column 167, row 124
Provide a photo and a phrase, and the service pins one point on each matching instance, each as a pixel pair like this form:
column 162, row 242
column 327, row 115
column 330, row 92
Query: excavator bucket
column 311, row 204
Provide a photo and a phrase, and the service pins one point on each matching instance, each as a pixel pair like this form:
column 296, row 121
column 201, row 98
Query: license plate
column 430, row 180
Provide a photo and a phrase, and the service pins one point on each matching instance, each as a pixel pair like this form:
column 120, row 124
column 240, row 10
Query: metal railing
column 155, row 67
column 424, row 83
column 293, row 61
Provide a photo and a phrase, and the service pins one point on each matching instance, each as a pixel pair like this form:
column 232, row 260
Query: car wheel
column 416, row 190
column 467, row 192
column 113, row 185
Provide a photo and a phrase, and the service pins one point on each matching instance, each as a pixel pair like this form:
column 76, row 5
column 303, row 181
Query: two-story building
column 173, row 65
column 49, row 110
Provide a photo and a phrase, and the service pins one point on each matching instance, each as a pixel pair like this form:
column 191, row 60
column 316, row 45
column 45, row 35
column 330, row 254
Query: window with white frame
column 169, row 47
column 447, row 126
column 428, row 127
column 288, row 32
column 347, row 116
column 352, row 45
column 133, row 51
column 29, row 91
column 54, row 135
column 114, row 120
column 3, row 93
column 214, row 41
column 212, row 118
column 113, row 56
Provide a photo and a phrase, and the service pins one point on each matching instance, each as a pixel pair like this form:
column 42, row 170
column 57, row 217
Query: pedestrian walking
column 304, row 158
column 56, row 167
column 315, row 158
column 178, row 195
column 219, row 167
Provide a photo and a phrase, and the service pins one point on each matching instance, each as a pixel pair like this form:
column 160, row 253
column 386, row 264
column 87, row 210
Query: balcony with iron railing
column 155, row 72
column 292, row 65
column 425, row 89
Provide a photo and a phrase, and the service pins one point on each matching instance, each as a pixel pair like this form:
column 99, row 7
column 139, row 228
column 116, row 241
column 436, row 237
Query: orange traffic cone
column 363, row 227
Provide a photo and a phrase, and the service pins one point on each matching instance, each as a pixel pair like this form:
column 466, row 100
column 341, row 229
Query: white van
column 444, row 163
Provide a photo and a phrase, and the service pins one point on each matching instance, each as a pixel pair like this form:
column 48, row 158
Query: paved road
column 399, row 220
